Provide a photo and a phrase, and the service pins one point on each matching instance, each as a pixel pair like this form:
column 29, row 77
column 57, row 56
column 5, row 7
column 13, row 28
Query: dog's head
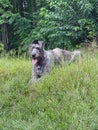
column 36, row 51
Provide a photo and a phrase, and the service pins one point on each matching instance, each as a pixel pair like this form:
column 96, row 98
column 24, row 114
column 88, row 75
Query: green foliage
column 1, row 47
column 68, row 21
column 62, row 23
column 66, row 99
column 5, row 11
column 23, row 22
column 21, row 28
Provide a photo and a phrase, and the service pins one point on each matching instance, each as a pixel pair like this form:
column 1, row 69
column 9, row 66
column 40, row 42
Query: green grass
column 65, row 99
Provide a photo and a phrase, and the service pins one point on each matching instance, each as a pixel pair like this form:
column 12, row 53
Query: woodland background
column 67, row 97
column 62, row 23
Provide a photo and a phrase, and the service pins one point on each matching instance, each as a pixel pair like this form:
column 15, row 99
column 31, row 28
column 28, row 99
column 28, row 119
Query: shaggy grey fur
column 43, row 60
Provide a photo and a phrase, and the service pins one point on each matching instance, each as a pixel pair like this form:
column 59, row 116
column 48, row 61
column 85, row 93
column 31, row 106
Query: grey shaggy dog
column 43, row 60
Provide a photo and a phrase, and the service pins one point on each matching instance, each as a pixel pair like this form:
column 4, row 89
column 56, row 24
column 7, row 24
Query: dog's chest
column 40, row 70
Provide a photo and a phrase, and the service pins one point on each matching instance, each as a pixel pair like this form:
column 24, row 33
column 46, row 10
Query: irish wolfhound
column 43, row 60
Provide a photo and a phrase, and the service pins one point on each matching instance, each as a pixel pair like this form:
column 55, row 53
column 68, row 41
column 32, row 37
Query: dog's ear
column 41, row 44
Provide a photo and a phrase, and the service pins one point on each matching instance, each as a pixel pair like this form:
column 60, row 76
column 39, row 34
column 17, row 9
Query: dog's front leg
column 33, row 76
column 46, row 69
column 32, row 79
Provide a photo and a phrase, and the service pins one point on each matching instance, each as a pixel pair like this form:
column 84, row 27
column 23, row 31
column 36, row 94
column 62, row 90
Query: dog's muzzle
column 33, row 56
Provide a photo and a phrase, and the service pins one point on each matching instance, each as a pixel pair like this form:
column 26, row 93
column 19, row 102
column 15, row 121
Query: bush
column 1, row 47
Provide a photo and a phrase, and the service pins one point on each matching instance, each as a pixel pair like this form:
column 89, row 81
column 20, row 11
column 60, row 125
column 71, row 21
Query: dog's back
column 66, row 56
column 62, row 55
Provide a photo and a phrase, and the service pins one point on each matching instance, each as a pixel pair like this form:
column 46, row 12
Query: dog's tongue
column 34, row 61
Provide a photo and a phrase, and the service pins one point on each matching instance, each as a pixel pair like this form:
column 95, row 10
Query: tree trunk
column 34, row 9
column 33, row 3
column 0, row 34
column 4, row 35
column 21, row 7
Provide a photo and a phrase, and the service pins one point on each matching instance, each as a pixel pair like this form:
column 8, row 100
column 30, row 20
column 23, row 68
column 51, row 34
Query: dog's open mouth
column 34, row 61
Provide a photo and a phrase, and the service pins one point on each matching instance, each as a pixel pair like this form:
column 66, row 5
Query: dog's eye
column 37, row 48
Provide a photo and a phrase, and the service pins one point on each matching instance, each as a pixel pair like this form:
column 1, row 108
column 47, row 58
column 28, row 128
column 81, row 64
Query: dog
column 43, row 60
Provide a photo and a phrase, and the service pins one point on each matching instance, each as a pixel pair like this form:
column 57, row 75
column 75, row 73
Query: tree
column 61, row 23
column 22, row 26
column 4, row 17
column 69, row 21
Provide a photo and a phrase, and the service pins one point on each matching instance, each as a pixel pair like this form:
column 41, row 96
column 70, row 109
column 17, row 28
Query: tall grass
column 65, row 99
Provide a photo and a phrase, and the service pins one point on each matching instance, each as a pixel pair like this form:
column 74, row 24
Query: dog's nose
column 33, row 55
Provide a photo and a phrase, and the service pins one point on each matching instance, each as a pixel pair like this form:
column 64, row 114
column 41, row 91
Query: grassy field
column 66, row 99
